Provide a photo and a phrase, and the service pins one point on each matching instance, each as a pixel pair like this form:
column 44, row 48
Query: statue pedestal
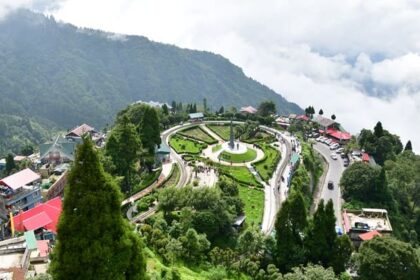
column 239, row 148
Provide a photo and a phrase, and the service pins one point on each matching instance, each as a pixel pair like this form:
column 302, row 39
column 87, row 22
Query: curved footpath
column 334, row 172
column 274, row 193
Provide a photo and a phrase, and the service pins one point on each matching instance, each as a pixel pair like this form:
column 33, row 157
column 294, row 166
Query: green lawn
column 197, row 133
column 222, row 130
column 174, row 177
column 253, row 200
column 267, row 166
column 239, row 173
column 216, row 148
column 183, row 145
column 261, row 136
column 249, row 155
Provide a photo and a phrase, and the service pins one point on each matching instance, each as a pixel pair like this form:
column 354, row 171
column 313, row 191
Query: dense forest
column 58, row 75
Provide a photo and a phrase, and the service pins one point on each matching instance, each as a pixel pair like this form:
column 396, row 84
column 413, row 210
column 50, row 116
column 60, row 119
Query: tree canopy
column 387, row 258
column 93, row 240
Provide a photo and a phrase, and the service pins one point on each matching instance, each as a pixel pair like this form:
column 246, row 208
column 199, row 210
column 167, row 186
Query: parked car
column 334, row 146
column 334, row 156
column 330, row 185
column 319, row 138
column 345, row 162
column 343, row 155
column 329, row 141
column 315, row 135
column 340, row 150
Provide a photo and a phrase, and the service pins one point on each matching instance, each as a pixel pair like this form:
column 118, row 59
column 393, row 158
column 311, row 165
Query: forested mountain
column 59, row 75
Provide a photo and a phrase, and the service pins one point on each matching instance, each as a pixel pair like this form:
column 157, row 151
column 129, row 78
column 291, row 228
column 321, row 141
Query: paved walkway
column 214, row 156
column 211, row 133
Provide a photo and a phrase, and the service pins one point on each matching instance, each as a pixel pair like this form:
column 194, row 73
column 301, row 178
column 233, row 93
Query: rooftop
column 249, row 110
column 341, row 135
column 44, row 215
column 20, row 179
column 367, row 219
column 323, row 121
column 196, row 115
column 369, row 235
column 80, row 130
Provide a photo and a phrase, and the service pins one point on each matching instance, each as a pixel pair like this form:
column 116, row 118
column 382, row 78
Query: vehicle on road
column 334, row 146
column 340, row 150
column 334, row 156
column 330, row 185
column 345, row 162
column 343, row 155
column 338, row 230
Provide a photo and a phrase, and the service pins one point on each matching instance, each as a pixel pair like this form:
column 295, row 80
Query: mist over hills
column 57, row 75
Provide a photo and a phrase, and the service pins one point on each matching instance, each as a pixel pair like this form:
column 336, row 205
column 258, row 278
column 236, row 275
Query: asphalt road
column 334, row 173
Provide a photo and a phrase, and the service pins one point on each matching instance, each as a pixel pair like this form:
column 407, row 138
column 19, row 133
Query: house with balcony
column 21, row 191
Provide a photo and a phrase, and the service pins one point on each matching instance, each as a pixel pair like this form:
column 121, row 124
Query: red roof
column 369, row 235
column 302, row 117
column 365, row 157
column 20, row 179
column 80, row 130
column 338, row 134
column 43, row 247
column 44, row 215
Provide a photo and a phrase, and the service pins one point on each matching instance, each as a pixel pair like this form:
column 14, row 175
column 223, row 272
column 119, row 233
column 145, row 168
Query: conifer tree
column 94, row 241
column 321, row 112
column 10, row 164
column 378, row 131
column 408, row 146
column 149, row 130
column 333, row 117
column 290, row 225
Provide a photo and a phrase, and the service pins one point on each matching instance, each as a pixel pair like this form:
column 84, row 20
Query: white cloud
column 7, row 6
column 326, row 53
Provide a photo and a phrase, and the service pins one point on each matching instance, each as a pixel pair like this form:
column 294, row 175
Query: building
column 332, row 129
column 21, row 191
column 324, row 123
column 59, row 151
column 162, row 153
column 196, row 117
column 302, row 118
column 249, row 110
column 81, row 130
column 23, row 256
column 364, row 224
column 42, row 219
column 283, row 121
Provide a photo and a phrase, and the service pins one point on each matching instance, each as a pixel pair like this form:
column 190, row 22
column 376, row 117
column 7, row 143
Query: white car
column 334, row 156
column 319, row 139
column 340, row 150
column 334, row 146
column 328, row 142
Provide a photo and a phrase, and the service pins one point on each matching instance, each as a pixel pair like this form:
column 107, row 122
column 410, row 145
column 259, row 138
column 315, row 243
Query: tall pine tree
column 94, row 241
column 290, row 225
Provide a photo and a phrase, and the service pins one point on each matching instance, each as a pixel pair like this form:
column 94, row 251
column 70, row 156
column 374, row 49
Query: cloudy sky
column 357, row 59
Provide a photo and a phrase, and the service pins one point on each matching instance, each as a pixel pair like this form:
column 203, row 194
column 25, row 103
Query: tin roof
column 20, row 179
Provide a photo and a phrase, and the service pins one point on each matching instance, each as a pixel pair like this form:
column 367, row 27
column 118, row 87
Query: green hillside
column 55, row 73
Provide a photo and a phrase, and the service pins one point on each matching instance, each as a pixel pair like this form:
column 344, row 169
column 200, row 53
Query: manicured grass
column 199, row 134
column 249, row 155
column 240, row 174
column 216, row 148
column 173, row 178
column 267, row 166
column 222, row 130
column 260, row 137
column 253, row 200
column 183, row 145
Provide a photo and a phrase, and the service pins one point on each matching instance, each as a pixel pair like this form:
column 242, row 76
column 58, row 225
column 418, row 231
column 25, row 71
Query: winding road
column 334, row 173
